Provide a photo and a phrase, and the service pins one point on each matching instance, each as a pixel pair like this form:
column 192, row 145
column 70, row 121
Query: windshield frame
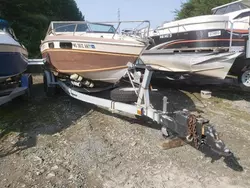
column 89, row 27
column 116, row 24
column 241, row 6
column 10, row 31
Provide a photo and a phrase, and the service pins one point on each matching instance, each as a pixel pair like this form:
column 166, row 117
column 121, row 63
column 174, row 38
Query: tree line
column 198, row 7
column 30, row 18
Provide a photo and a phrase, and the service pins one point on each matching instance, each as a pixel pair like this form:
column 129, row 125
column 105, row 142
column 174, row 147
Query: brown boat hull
column 91, row 65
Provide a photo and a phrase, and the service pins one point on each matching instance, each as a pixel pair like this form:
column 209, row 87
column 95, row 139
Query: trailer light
column 139, row 112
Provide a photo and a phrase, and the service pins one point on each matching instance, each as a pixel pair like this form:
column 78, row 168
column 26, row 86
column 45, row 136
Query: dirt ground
column 62, row 142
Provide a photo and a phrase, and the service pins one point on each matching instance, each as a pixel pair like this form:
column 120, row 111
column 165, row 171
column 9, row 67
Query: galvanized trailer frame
column 177, row 122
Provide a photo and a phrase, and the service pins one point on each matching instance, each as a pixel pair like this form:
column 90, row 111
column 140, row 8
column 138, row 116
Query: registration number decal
column 81, row 45
column 214, row 33
column 166, row 36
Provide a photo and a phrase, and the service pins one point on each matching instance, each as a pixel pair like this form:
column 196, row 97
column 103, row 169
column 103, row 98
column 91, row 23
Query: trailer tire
column 28, row 92
column 244, row 79
column 49, row 90
column 125, row 94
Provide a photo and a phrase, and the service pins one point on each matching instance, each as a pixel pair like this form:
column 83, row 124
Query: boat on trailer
column 133, row 99
column 210, row 45
column 13, row 55
column 91, row 54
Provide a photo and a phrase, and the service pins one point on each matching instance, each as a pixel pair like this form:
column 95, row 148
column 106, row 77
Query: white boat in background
column 205, row 45
column 211, row 64
column 90, row 51
column 206, row 31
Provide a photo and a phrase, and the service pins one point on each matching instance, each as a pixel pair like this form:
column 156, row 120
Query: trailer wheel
column 126, row 94
column 29, row 84
column 49, row 89
column 29, row 90
column 244, row 79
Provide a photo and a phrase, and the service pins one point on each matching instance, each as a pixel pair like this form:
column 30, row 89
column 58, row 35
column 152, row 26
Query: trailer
column 195, row 130
column 20, row 86
column 15, row 87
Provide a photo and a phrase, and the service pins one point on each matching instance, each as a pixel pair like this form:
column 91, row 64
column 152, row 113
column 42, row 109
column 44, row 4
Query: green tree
column 30, row 19
column 198, row 7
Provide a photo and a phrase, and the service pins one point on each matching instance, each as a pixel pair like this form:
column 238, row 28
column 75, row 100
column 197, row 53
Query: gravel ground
column 62, row 142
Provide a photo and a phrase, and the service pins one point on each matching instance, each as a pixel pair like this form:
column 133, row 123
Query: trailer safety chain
column 192, row 132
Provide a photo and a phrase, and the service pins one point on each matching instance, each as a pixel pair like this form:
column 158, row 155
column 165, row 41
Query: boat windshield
column 231, row 7
column 82, row 27
column 102, row 28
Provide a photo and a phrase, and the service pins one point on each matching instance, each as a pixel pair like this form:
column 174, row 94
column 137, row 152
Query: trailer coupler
column 195, row 130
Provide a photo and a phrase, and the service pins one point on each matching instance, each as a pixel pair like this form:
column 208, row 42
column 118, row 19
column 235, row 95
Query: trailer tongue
column 195, row 130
